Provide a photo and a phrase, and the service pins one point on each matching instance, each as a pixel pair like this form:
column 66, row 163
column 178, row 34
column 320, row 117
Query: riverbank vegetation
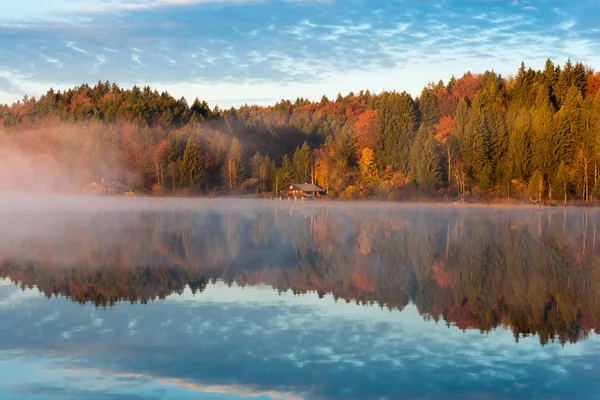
column 529, row 137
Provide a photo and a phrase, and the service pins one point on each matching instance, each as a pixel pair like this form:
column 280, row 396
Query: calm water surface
column 105, row 298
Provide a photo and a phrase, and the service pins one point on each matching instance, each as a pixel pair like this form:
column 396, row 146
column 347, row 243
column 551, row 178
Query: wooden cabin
column 299, row 190
column 92, row 188
column 112, row 188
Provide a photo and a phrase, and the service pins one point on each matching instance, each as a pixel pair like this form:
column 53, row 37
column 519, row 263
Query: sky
column 233, row 52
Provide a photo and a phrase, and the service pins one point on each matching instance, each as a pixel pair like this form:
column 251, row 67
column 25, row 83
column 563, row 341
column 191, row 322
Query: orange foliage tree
column 365, row 130
column 593, row 85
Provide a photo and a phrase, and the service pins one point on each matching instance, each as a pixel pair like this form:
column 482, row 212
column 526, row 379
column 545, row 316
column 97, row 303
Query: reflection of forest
column 534, row 271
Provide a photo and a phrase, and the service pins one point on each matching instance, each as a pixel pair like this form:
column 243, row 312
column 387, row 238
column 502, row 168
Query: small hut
column 114, row 188
column 307, row 190
column 93, row 188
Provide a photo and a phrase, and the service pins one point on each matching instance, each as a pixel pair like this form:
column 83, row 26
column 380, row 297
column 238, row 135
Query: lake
column 125, row 298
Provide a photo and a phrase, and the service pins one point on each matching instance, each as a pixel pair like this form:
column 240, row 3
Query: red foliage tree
column 365, row 129
column 593, row 85
column 467, row 87
column 446, row 102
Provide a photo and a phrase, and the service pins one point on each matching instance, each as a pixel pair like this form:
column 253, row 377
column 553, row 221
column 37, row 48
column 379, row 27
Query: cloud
column 9, row 87
column 288, row 45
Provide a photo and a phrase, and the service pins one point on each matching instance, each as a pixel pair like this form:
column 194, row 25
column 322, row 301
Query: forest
column 533, row 272
column 533, row 136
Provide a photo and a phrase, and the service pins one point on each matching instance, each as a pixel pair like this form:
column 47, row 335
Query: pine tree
column 287, row 170
column 191, row 165
column 519, row 146
column 302, row 164
column 428, row 107
column 481, row 147
column 544, row 144
column 270, row 170
column 550, row 77
column 425, row 161
column 258, row 169
column 397, row 125
column 460, row 131
column 569, row 123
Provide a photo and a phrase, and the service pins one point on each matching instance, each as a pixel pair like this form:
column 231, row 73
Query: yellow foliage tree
column 369, row 176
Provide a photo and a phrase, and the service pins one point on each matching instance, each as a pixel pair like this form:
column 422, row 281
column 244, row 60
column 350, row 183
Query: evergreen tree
column 270, row 170
column 428, row 107
column 519, row 147
column 302, row 164
column 568, row 123
column 546, row 157
column 397, row 121
column 191, row 165
column 425, row 162
column 481, row 147
column 258, row 168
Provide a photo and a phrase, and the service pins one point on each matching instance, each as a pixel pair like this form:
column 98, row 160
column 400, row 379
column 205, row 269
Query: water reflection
column 529, row 270
column 257, row 300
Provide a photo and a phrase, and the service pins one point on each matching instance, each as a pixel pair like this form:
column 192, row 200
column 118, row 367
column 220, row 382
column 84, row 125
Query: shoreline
column 320, row 201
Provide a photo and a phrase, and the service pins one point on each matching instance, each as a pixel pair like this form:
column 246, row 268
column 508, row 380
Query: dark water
column 213, row 299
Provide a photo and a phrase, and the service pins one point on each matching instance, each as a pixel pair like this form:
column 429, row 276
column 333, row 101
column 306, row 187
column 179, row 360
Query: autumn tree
column 365, row 130
column 159, row 159
column 491, row 134
column 233, row 171
column 369, row 176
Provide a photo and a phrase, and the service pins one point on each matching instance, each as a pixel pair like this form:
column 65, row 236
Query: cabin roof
column 306, row 187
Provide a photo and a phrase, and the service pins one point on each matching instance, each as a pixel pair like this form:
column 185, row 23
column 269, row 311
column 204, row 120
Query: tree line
column 531, row 136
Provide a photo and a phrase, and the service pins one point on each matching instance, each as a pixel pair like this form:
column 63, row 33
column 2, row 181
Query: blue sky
column 232, row 52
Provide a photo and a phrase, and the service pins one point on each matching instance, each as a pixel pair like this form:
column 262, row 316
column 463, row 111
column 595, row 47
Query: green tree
column 425, row 162
column 519, row 144
column 302, row 164
column 191, row 165
column 258, row 171
column 546, row 147
column 396, row 120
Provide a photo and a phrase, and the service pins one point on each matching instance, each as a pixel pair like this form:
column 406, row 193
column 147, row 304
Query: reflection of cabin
column 301, row 190
column 106, row 188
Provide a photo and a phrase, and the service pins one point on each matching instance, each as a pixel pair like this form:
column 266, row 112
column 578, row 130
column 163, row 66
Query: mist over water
column 286, row 299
